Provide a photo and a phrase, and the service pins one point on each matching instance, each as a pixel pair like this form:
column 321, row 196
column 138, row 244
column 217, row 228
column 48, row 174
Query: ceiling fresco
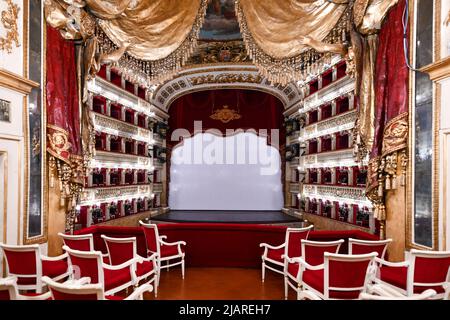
column 220, row 22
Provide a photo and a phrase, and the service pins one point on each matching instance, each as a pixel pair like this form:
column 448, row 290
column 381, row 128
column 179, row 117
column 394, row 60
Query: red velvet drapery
column 62, row 95
column 63, row 115
column 391, row 90
column 258, row 110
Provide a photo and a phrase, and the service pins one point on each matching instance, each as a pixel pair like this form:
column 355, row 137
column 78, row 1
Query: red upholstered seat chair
column 9, row 291
column 356, row 246
column 313, row 254
column 82, row 242
column 341, row 276
column 112, row 278
column 272, row 257
column 423, row 270
column 76, row 291
column 29, row 266
column 121, row 250
column 165, row 251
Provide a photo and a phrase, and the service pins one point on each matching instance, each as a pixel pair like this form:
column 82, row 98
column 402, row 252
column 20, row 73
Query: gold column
column 396, row 219
column 57, row 217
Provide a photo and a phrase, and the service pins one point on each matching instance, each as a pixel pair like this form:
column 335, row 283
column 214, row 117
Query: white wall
column 240, row 172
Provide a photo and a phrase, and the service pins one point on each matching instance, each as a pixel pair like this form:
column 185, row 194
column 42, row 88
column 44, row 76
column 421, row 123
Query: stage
column 229, row 216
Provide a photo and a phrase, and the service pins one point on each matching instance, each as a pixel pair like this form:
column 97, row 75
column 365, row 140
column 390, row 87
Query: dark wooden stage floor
column 222, row 216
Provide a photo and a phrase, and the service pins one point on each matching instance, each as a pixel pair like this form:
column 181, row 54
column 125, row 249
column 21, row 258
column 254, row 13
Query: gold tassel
column 388, row 182
column 403, row 180
column 380, row 189
column 394, row 182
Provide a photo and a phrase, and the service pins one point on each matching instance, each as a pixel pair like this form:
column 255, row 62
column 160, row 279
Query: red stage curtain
column 258, row 110
column 63, row 116
column 391, row 118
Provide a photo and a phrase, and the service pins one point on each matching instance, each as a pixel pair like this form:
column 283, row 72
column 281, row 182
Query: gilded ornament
column 447, row 20
column 395, row 134
column 9, row 19
column 225, row 114
column 59, row 142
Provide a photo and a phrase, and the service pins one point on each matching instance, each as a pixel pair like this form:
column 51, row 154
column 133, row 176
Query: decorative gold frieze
column 226, row 78
column 9, row 19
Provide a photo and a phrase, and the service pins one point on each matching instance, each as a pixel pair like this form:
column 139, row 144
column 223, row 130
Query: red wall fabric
column 258, row 110
column 220, row 245
column 62, row 97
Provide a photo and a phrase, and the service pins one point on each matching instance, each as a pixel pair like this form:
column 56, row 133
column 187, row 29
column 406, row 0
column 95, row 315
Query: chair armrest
column 392, row 264
column 139, row 292
column 268, row 246
column 176, row 243
column 10, row 280
column 57, row 258
column 290, row 260
column 78, row 282
column 383, row 290
column 307, row 265
column 44, row 296
column 151, row 258
column 123, row 265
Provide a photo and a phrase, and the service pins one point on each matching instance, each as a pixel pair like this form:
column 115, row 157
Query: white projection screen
column 238, row 172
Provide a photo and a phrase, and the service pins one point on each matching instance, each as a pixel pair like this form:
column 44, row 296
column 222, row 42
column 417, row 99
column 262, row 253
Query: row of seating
column 91, row 274
column 315, row 270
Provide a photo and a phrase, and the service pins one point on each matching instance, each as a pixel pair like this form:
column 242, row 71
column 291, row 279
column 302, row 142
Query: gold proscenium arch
column 223, row 76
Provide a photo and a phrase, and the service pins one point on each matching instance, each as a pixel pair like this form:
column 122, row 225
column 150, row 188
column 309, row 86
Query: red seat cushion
column 114, row 298
column 275, row 254
column 143, row 268
column 293, row 269
column 116, row 278
column 397, row 276
column 53, row 269
column 314, row 279
column 167, row 251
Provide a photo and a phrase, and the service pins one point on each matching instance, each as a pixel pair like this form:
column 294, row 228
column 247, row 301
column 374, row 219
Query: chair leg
column 286, row 288
column 156, row 283
column 182, row 268
column 263, row 271
column 167, row 264
column 299, row 292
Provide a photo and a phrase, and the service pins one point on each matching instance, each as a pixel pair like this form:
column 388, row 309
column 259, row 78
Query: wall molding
column 16, row 83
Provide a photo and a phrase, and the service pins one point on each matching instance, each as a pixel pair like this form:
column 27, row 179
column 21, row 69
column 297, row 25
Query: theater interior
column 224, row 150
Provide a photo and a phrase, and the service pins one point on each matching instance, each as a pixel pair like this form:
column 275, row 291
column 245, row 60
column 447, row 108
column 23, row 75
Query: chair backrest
column 357, row 246
column 151, row 236
column 62, row 291
column 346, row 276
column 24, row 262
column 8, row 288
column 294, row 236
column 313, row 251
column 428, row 269
column 86, row 264
column 120, row 250
column 82, row 242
